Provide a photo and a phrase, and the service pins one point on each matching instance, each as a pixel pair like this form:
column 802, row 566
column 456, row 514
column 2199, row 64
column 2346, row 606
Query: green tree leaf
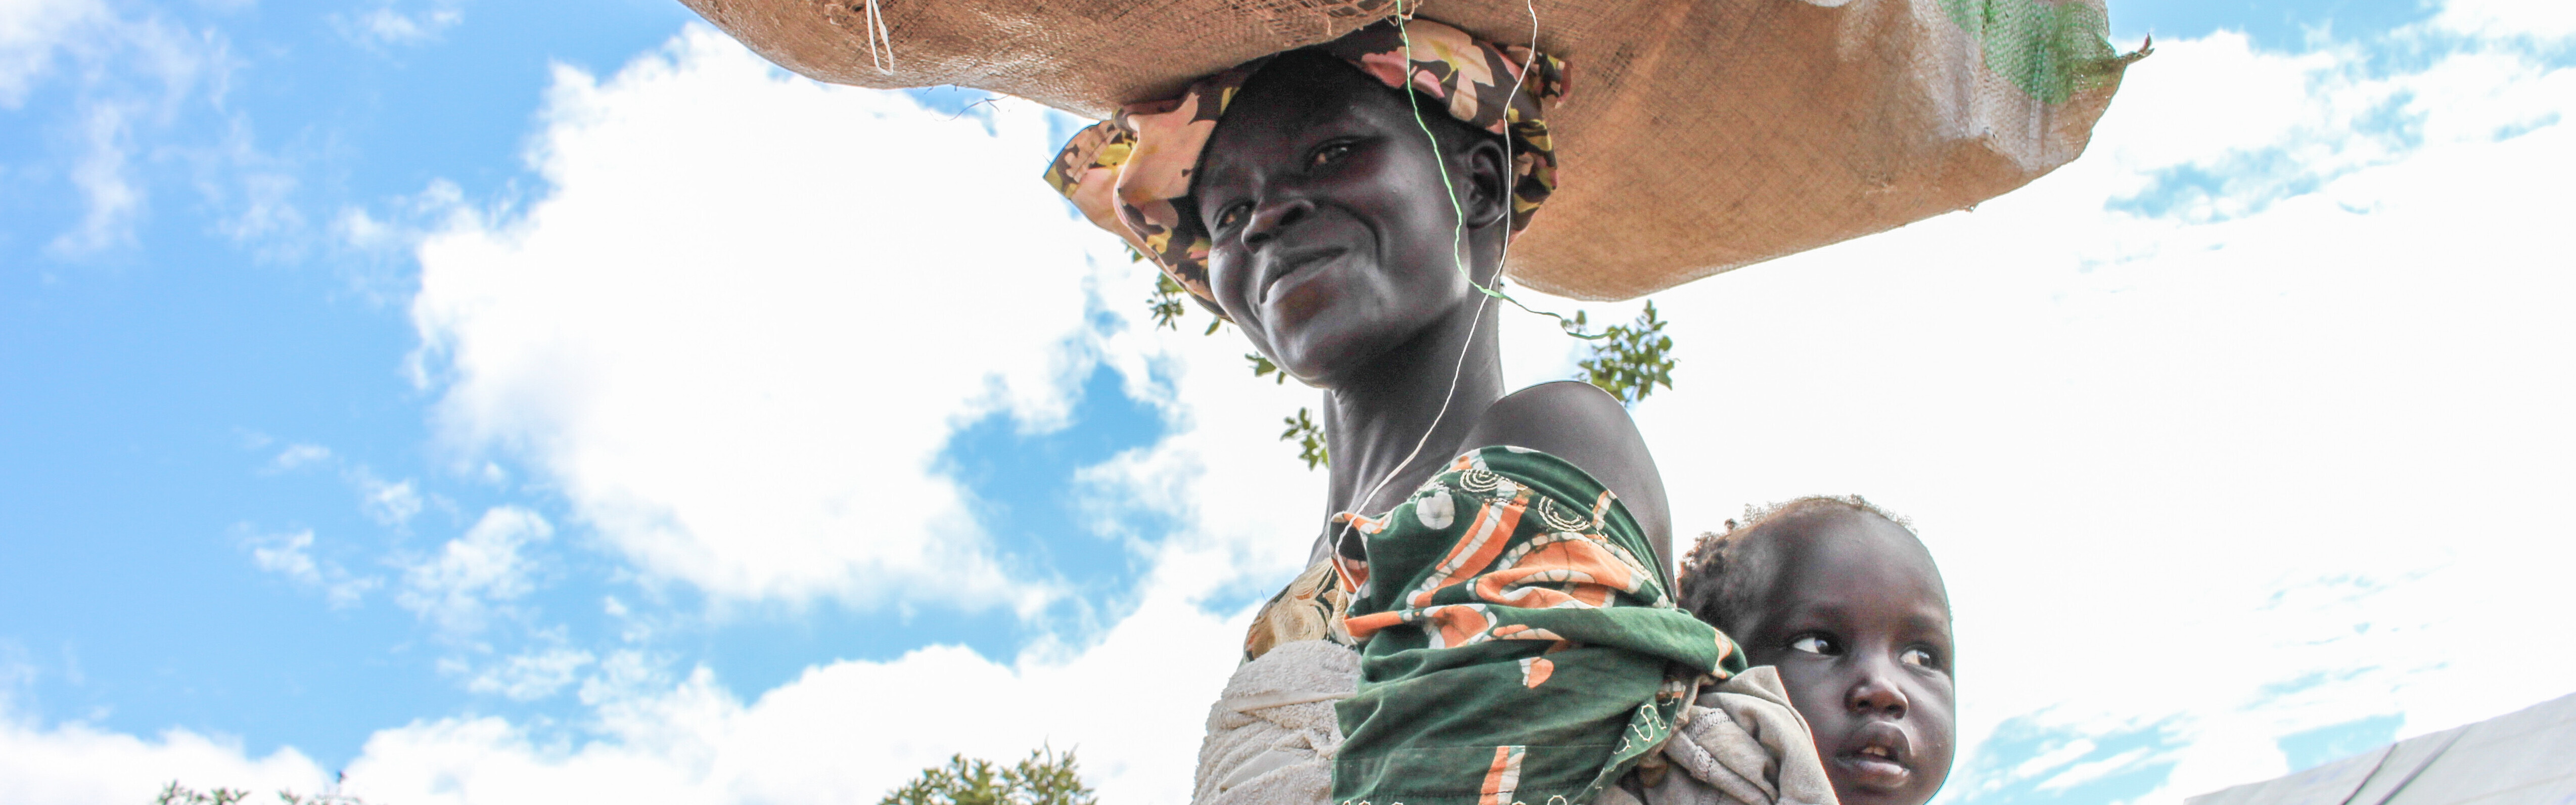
column 176, row 794
column 1165, row 304
column 1309, row 438
column 1262, row 367
column 1043, row 778
column 1630, row 360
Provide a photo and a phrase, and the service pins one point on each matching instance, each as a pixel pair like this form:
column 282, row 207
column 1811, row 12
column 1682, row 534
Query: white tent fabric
column 2526, row 757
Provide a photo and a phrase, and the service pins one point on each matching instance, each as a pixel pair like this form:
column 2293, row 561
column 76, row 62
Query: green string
column 1458, row 238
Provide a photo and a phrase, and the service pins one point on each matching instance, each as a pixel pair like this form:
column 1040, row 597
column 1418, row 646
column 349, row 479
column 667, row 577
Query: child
column 1843, row 600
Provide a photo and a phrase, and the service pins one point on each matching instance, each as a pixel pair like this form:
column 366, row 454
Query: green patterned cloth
column 1519, row 643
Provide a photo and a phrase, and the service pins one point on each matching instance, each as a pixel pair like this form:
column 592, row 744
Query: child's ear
column 1489, row 182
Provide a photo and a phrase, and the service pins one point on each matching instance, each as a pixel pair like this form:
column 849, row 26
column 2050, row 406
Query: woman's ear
column 1489, row 182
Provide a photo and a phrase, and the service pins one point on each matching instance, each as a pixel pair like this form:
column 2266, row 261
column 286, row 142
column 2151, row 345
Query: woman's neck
column 1374, row 422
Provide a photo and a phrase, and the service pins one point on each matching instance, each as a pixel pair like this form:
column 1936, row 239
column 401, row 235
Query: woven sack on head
column 1699, row 135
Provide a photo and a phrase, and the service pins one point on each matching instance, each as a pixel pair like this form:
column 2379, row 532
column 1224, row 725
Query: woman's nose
column 1271, row 219
column 1877, row 693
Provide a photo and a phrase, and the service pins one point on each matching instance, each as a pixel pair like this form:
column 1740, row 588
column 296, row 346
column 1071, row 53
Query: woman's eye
column 1917, row 657
column 1816, row 644
column 1328, row 153
column 1227, row 219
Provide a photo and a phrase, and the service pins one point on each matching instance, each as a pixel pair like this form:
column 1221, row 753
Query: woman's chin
column 1338, row 336
column 1304, row 368
column 1320, row 358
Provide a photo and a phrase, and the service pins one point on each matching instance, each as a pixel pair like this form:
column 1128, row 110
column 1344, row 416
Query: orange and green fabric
column 1519, row 642
column 1127, row 173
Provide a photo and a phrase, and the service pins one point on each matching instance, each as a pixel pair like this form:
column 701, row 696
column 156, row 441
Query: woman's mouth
column 1290, row 270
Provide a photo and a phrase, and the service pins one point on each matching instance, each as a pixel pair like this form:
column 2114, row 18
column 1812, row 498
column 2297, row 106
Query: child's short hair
column 1722, row 576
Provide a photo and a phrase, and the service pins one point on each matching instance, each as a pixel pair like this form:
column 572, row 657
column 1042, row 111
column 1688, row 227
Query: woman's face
column 1332, row 231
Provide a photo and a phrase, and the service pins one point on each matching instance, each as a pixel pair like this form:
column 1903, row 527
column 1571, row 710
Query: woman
column 1347, row 206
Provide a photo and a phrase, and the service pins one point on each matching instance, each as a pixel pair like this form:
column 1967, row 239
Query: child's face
column 1858, row 625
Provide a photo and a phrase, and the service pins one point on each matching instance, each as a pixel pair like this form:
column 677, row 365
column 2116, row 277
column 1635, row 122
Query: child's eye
column 1918, row 657
column 1816, row 644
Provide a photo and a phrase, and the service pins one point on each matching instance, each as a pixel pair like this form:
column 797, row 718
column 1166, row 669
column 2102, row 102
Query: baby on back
column 1845, row 604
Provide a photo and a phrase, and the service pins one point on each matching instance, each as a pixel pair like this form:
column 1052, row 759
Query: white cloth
column 1272, row 737
column 1741, row 744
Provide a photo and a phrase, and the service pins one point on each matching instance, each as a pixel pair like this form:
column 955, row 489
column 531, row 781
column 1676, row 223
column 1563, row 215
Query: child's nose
column 1876, row 693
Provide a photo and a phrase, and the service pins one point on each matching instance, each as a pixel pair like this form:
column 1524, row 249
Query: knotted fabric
column 1517, row 641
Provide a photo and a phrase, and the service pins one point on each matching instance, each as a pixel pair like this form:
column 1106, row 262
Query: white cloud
column 459, row 587
column 745, row 315
column 1243, row 501
column 106, row 182
column 291, row 555
column 297, row 455
column 77, row 764
column 2089, row 771
column 17, row 675
column 288, row 555
column 253, row 193
column 2052, row 759
column 531, row 676
column 2507, row 19
column 378, row 247
column 30, row 32
column 391, row 503
column 134, row 73
column 845, row 731
column 389, row 23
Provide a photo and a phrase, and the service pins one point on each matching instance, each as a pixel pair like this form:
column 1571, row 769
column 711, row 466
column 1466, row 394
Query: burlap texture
column 1699, row 136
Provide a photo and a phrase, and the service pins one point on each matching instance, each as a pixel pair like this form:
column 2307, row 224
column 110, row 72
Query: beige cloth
column 1272, row 737
column 1742, row 744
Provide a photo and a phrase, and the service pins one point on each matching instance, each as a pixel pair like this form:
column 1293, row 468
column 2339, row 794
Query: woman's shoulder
column 1588, row 428
column 1572, row 420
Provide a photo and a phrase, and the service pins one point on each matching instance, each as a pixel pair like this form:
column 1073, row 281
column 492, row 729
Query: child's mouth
column 1879, row 763
column 1873, row 768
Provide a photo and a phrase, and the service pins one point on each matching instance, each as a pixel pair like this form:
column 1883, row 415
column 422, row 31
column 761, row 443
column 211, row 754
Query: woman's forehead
column 1304, row 77
column 1273, row 121
column 1326, row 93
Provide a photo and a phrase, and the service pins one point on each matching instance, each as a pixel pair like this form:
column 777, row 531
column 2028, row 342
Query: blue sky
column 179, row 362
column 346, row 395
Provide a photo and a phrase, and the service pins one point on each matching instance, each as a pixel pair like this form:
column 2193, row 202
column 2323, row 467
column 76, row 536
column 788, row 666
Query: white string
column 1457, row 256
column 876, row 32
column 1509, row 177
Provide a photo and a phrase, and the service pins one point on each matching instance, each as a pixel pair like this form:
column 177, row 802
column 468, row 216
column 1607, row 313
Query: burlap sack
column 1699, row 135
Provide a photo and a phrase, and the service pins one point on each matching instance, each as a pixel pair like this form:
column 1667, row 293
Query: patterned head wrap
column 1127, row 172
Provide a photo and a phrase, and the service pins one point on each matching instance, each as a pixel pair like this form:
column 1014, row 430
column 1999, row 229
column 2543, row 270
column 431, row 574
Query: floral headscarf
column 1127, row 172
